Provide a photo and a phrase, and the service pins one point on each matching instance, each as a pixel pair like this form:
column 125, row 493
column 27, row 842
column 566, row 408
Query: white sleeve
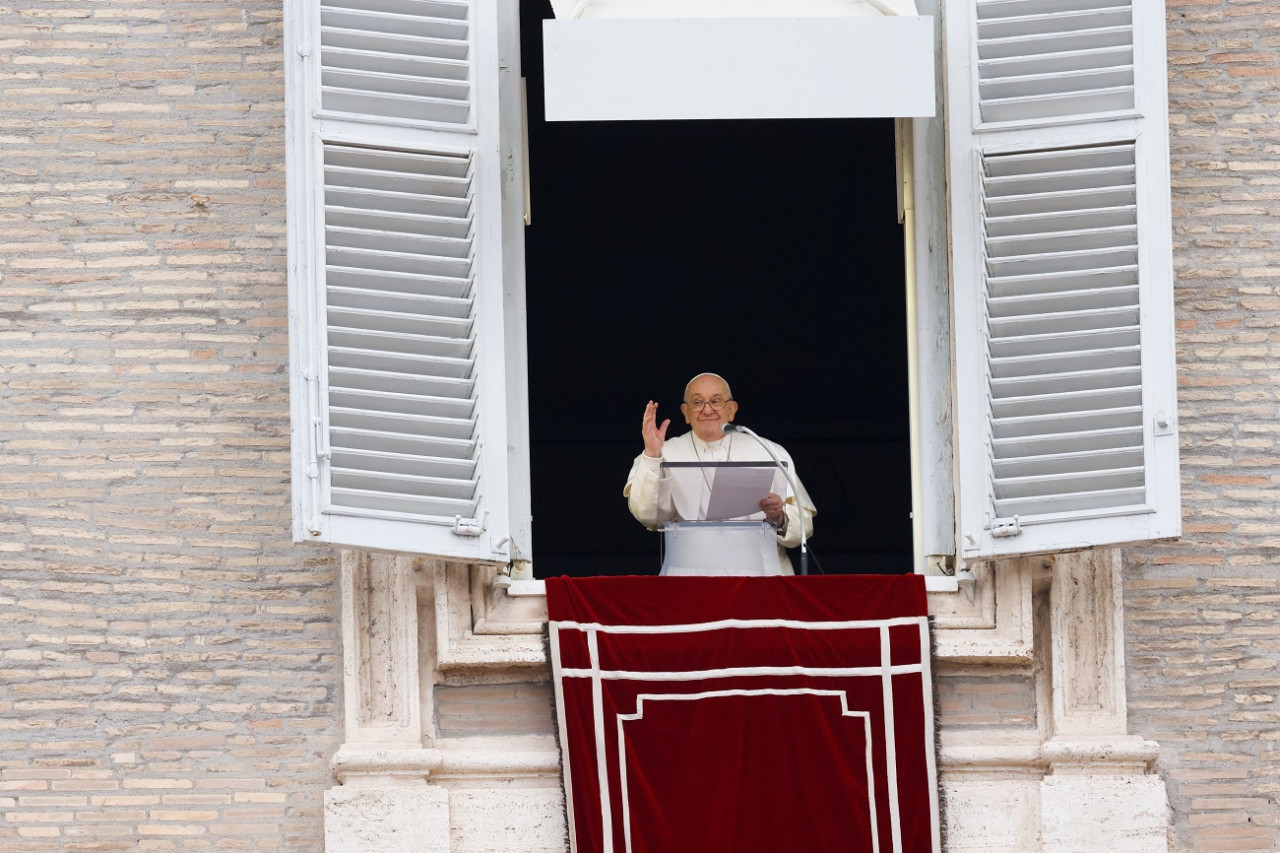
column 641, row 490
column 790, row 538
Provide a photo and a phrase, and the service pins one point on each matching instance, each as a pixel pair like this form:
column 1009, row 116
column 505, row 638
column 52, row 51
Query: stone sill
column 508, row 618
column 524, row 588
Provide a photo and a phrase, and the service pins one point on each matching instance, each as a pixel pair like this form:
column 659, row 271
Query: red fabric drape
column 726, row 715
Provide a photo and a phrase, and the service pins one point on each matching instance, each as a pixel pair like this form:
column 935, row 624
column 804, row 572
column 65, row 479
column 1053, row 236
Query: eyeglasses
column 716, row 403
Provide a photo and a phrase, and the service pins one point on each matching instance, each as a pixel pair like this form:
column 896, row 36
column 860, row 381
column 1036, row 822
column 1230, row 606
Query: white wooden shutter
column 404, row 258
column 1062, row 274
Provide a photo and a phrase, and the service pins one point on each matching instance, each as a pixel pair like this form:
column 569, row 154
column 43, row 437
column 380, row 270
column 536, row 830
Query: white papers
column 737, row 492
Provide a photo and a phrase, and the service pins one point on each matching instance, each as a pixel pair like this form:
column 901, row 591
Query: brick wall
column 1203, row 637
column 976, row 698
column 168, row 658
column 522, row 708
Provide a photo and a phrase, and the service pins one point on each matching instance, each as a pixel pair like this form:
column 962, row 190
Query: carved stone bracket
column 996, row 626
column 480, row 627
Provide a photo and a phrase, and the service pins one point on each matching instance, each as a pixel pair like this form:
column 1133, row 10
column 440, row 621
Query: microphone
column 795, row 487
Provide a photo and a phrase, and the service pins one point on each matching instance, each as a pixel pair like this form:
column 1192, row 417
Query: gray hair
column 723, row 381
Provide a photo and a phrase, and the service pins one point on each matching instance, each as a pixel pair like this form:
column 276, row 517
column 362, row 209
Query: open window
column 658, row 249
column 409, row 389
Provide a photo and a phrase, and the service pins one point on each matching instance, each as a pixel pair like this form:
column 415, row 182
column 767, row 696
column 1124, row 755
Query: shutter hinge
column 318, row 450
column 1006, row 529
column 469, row 526
column 319, row 447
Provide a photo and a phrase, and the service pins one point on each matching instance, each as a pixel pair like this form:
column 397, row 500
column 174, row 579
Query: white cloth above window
column 729, row 8
column 642, row 492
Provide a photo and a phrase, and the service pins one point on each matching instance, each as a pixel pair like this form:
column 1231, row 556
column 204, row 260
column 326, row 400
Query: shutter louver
column 1042, row 59
column 400, row 342
column 1061, row 250
column 396, row 59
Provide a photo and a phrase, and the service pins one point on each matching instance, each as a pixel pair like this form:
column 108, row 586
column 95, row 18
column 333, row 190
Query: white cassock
column 686, row 499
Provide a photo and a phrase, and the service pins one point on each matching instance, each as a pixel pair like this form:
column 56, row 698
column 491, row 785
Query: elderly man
column 709, row 405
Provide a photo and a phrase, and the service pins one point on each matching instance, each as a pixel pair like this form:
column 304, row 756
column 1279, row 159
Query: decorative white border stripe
column 842, row 695
column 890, row 738
column 694, row 627
column 931, row 768
column 740, row 672
column 602, row 757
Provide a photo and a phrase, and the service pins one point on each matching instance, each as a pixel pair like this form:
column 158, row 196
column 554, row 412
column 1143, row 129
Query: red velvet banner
column 728, row 715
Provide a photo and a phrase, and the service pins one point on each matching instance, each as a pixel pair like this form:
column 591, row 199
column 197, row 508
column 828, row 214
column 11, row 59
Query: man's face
column 701, row 399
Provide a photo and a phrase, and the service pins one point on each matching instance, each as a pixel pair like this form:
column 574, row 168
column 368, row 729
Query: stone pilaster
column 384, row 803
column 1097, row 794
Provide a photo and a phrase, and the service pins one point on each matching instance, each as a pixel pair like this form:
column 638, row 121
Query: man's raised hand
column 653, row 434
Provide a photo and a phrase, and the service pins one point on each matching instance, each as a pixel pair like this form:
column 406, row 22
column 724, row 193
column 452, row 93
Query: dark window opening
column 766, row 251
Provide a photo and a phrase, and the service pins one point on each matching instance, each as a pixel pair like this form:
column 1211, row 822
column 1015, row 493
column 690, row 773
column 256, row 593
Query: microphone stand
column 791, row 480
